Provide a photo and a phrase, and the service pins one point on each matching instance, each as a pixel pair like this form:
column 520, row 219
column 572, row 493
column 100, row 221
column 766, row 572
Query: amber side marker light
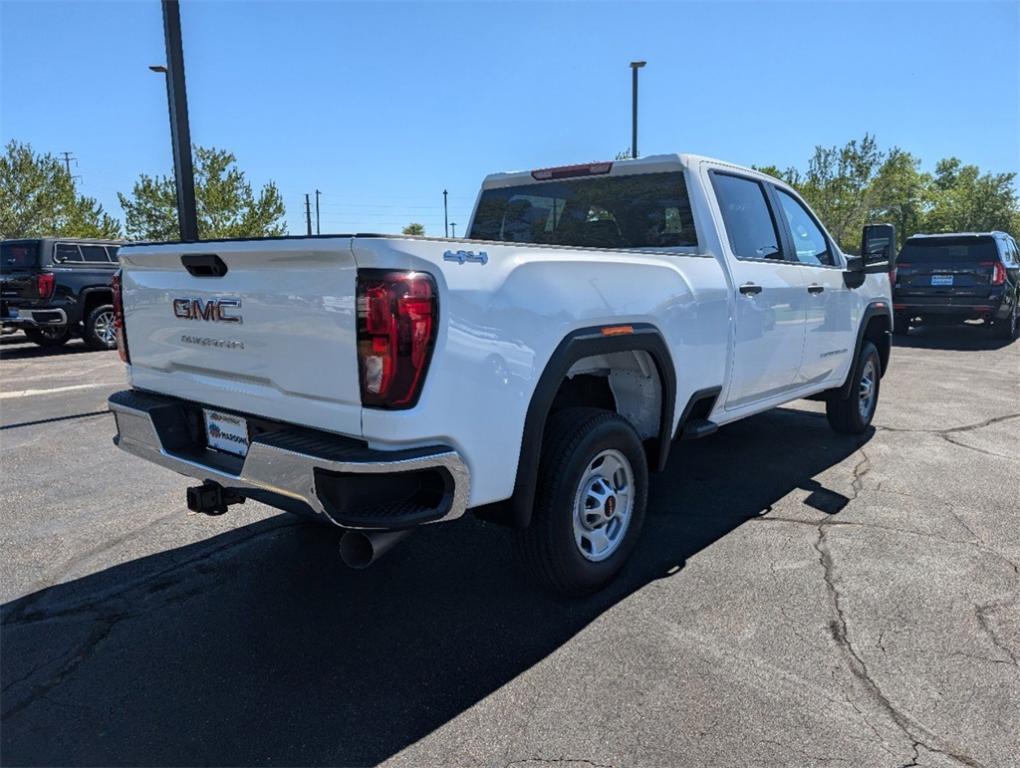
column 617, row 330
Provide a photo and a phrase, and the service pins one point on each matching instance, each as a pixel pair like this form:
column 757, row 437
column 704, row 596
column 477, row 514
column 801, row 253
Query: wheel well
column 95, row 299
column 627, row 383
column 877, row 332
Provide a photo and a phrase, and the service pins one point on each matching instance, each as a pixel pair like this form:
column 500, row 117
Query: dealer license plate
column 941, row 279
column 226, row 432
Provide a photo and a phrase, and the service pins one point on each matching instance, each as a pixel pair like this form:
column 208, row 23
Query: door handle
column 749, row 289
column 815, row 288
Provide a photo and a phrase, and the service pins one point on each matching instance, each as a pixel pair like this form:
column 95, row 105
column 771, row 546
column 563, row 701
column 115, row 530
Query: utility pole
column 308, row 213
column 453, row 229
column 317, row 193
column 634, row 67
column 446, row 219
column 180, row 132
column 68, row 157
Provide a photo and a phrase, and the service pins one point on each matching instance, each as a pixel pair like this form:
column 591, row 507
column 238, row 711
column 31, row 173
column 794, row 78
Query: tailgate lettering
column 213, row 310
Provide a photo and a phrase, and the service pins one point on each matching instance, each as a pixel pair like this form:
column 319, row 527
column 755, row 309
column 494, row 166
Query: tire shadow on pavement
column 258, row 647
column 958, row 338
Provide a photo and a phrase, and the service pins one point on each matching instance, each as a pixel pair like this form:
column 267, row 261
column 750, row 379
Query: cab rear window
column 648, row 210
column 948, row 251
column 18, row 256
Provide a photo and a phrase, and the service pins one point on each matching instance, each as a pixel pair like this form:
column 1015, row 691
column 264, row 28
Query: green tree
column 226, row 205
column 900, row 193
column 965, row 200
column 838, row 186
column 38, row 198
column 414, row 229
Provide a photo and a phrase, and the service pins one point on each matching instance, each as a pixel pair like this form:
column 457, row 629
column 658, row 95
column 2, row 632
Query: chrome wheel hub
column 603, row 505
column 104, row 328
column 866, row 389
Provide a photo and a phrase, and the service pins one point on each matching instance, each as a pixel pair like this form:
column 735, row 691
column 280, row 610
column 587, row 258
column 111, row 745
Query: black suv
column 53, row 288
column 955, row 277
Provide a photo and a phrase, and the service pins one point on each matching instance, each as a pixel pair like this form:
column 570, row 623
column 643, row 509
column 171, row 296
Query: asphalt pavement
column 798, row 598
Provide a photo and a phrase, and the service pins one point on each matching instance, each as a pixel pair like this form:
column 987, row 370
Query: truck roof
column 991, row 233
column 648, row 164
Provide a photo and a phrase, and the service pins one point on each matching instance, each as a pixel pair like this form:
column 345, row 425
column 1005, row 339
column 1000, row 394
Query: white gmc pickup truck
column 532, row 373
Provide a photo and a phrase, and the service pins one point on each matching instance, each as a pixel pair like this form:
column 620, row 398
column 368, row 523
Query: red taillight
column 45, row 284
column 118, row 318
column 396, row 333
column 999, row 275
column 569, row 171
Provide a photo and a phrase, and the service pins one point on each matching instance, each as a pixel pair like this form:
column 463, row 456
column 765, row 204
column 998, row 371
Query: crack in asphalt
column 948, row 437
column 920, row 737
column 557, row 761
column 804, row 753
column 839, row 630
column 981, row 612
column 953, row 430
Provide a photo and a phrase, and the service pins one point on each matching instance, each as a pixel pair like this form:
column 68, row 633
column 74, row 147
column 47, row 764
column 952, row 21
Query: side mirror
column 878, row 248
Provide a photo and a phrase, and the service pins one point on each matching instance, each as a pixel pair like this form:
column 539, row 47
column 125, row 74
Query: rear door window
column 747, row 217
column 647, row 210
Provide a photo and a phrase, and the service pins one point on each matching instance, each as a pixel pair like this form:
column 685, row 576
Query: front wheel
column 590, row 501
column 49, row 335
column 852, row 415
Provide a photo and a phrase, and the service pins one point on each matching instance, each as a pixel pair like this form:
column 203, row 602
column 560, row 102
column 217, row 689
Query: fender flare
column 86, row 292
column 578, row 344
column 874, row 309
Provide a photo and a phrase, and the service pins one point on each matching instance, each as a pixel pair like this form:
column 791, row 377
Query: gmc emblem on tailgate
column 212, row 310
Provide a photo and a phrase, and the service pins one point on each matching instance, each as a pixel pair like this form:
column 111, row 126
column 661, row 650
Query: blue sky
column 382, row 105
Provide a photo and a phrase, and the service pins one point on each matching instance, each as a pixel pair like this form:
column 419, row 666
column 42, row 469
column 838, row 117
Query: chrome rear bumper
column 286, row 465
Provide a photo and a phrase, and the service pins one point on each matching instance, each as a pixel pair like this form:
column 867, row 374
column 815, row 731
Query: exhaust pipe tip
column 359, row 549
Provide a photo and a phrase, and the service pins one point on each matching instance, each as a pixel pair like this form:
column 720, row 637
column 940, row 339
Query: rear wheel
column 99, row 328
column 590, row 502
column 852, row 415
column 49, row 335
column 1008, row 328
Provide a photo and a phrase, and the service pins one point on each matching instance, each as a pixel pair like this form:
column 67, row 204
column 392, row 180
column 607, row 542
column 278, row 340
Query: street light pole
column 317, row 193
column 446, row 217
column 453, row 229
column 634, row 67
column 180, row 133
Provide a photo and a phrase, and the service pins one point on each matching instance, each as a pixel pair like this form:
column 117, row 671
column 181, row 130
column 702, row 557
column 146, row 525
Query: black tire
column 848, row 415
column 49, row 336
column 1009, row 328
column 576, row 440
column 99, row 333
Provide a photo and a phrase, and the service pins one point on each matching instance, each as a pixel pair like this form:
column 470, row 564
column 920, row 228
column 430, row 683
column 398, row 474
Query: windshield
column 18, row 255
column 648, row 210
column 947, row 251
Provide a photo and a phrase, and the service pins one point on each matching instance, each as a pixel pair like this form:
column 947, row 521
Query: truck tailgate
column 273, row 336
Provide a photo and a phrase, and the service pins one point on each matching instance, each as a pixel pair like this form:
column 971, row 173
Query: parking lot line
column 53, row 391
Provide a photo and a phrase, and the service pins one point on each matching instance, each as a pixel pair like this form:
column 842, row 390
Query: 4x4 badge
column 461, row 256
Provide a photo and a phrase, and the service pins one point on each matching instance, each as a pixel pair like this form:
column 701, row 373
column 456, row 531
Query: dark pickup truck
column 56, row 288
column 950, row 278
